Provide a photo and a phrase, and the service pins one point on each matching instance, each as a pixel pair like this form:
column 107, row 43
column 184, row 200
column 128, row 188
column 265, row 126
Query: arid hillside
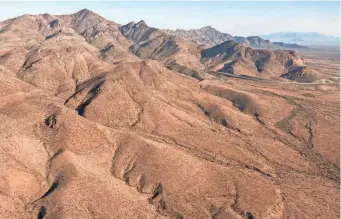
column 102, row 120
column 174, row 52
column 236, row 58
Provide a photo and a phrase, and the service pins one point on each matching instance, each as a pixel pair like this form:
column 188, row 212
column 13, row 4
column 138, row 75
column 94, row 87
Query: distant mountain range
column 309, row 38
column 258, row 42
column 209, row 36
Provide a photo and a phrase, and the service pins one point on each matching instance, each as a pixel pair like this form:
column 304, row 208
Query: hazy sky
column 235, row 18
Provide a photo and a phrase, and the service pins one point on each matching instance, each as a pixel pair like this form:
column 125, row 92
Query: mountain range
column 209, row 36
column 104, row 120
column 206, row 35
column 293, row 40
column 302, row 38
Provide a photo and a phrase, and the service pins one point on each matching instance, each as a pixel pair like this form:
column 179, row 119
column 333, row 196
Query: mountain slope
column 35, row 47
column 236, row 58
column 175, row 52
column 103, row 34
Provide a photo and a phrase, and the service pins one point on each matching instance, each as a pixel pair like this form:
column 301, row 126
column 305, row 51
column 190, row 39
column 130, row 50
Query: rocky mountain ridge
column 117, row 42
column 209, row 36
column 206, row 35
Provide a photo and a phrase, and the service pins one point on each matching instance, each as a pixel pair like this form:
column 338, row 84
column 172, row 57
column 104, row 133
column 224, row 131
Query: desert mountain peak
column 84, row 11
column 87, row 15
column 141, row 22
column 208, row 28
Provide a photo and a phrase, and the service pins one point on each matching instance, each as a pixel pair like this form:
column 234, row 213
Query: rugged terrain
column 236, row 58
column 209, row 37
column 102, row 120
column 188, row 57
column 206, row 35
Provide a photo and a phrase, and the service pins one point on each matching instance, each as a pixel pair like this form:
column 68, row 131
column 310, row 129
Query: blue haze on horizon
column 235, row 18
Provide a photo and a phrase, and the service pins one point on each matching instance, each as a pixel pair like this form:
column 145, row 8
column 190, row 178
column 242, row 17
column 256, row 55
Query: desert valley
column 107, row 120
